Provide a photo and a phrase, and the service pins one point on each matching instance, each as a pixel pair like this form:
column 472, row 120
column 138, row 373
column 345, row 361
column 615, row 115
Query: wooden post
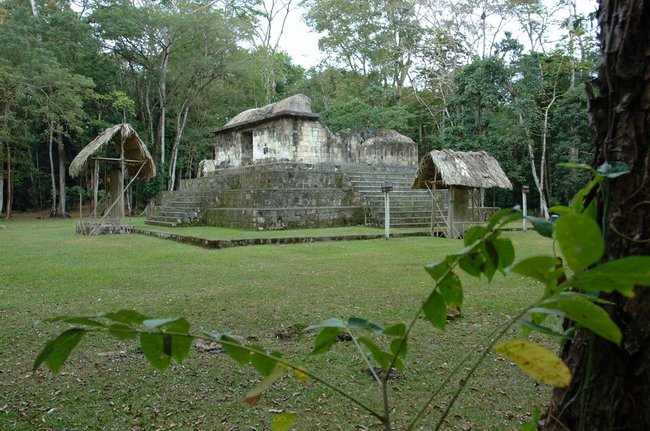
column 450, row 212
column 386, row 215
column 95, row 188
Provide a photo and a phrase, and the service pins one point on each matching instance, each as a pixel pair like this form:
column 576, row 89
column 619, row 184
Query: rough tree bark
column 610, row 389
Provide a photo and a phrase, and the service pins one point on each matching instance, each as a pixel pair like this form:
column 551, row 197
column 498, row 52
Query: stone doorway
column 247, row 148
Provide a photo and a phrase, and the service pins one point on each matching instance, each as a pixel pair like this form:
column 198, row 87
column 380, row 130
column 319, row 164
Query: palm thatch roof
column 135, row 151
column 297, row 105
column 476, row 169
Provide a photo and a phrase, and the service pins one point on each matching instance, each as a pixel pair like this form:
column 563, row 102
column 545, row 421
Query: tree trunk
column 610, row 389
column 162, row 98
column 2, row 172
column 61, row 151
column 2, row 177
column 181, row 120
column 9, row 188
column 50, row 151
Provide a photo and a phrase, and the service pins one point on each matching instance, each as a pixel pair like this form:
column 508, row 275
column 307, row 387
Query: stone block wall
column 281, row 195
column 308, row 140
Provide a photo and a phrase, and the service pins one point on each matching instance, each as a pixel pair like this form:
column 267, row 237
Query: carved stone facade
column 289, row 131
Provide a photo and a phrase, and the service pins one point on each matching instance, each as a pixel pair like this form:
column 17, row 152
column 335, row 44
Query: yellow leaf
column 300, row 374
column 536, row 361
column 283, row 422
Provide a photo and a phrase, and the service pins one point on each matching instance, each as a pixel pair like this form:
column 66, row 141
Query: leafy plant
column 572, row 283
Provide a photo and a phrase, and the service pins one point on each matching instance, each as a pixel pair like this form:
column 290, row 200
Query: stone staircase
column 408, row 207
column 185, row 206
column 288, row 195
column 270, row 196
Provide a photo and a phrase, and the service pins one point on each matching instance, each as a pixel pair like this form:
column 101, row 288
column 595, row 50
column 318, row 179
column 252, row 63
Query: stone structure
column 280, row 167
column 289, row 131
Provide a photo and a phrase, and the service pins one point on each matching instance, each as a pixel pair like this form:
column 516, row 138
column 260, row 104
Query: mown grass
column 263, row 293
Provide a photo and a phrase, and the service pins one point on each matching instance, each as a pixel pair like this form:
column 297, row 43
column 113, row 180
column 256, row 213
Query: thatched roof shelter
column 447, row 168
column 135, row 151
column 297, row 105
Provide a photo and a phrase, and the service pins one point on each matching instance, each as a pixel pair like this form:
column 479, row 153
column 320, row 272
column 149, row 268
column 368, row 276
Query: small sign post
column 386, row 187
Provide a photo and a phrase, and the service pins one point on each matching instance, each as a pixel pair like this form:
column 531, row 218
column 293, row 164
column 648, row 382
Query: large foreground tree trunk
column 610, row 389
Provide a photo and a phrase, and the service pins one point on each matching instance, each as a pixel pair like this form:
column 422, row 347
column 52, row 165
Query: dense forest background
column 510, row 77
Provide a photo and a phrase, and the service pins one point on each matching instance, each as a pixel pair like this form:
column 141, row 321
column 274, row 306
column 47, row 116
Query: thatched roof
column 134, row 150
column 475, row 169
column 297, row 105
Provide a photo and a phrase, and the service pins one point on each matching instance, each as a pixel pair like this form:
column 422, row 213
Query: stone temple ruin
column 279, row 167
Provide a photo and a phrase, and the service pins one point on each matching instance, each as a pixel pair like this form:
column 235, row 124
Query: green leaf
column 546, row 269
column 234, row 349
column 473, row 234
column 472, row 263
column 283, row 422
column 157, row 349
column 325, row 340
column 613, row 169
column 536, row 361
column 181, row 346
column 561, row 210
column 122, row 331
column 619, row 275
column 581, row 310
column 490, row 260
column 128, row 317
column 438, row 269
column 77, row 320
column 357, row 323
column 577, row 203
column 505, row 251
column 503, row 216
column 156, row 323
column 592, row 210
column 56, row 351
column 532, row 326
column 401, row 345
column 576, row 166
column 435, row 310
column 451, row 290
column 329, row 323
column 397, row 330
column 580, row 240
column 533, row 423
column 542, row 226
column 275, row 374
column 262, row 363
column 383, row 358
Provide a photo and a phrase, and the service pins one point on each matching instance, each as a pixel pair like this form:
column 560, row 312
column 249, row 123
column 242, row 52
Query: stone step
column 284, row 218
column 155, row 222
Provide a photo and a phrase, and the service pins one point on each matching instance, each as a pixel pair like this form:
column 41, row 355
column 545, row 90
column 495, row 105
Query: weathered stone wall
column 309, row 141
column 227, row 151
column 281, row 195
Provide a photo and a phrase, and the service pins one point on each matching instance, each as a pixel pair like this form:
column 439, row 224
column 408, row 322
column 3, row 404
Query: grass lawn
column 263, row 293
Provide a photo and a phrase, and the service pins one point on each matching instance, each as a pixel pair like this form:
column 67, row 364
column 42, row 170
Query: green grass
column 262, row 293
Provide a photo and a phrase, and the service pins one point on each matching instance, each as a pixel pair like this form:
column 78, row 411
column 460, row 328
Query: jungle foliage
column 176, row 70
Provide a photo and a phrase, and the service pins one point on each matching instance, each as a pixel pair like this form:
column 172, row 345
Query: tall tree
column 376, row 39
column 610, row 389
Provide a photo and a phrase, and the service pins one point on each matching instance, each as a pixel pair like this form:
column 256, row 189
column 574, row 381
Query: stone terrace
column 288, row 195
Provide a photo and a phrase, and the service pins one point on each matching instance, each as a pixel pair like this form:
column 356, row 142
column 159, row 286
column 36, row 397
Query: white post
column 524, row 208
column 386, row 216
